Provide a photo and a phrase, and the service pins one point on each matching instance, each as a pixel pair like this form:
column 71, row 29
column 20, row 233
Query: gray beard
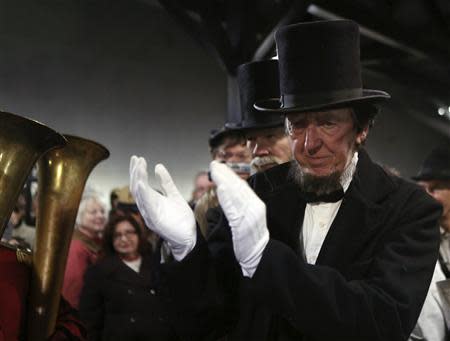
column 315, row 184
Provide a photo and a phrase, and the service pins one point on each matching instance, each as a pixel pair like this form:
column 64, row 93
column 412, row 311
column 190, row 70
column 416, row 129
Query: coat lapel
column 125, row 274
column 287, row 227
column 358, row 216
column 280, row 194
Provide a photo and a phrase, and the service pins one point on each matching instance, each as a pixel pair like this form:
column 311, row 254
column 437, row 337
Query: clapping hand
column 246, row 214
column 168, row 215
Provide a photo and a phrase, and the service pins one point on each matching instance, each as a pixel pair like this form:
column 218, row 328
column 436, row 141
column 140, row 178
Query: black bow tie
column 334, row 196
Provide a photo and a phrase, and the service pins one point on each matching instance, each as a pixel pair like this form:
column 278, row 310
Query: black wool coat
column 119, row 304
column 369, row 281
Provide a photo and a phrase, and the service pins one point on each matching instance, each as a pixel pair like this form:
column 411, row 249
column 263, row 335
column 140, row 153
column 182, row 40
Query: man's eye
column 328, row 124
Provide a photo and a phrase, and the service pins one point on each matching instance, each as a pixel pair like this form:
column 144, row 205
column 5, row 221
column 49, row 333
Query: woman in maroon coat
column 84, row 247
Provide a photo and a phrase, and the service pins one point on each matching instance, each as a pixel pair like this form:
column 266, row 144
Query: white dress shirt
column 444, row 248
column 431, row 325
column 319, row 217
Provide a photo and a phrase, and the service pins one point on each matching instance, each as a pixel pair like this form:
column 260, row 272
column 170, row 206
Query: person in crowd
column 127, row 206
column 328, row 247
column 18, row 233
column 15, row 281
column 434, row 177
column 228, row 145
column 201, row 185
column 85, row 245
column 113, row 202
column 120, row 299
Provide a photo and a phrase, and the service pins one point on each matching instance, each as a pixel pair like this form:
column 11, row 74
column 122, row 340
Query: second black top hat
column 258, row 80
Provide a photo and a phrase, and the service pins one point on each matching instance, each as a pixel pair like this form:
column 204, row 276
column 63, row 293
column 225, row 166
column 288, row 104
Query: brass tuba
column 62, row 175
column 22, row 142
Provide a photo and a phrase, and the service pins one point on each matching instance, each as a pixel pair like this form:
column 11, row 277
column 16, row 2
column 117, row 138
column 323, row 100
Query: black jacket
column 369, row 281
column 119, row 304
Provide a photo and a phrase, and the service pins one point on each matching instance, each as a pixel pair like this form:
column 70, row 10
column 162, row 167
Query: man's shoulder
column 382, row 187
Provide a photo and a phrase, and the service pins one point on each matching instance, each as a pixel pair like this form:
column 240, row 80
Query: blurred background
column 152, row 78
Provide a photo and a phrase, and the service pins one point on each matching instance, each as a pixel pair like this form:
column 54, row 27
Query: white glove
column 246, row 214
column 169, row 216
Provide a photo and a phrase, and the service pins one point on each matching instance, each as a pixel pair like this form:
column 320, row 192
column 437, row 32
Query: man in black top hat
column 331, row 247
column 434, row 176
column 265, row 133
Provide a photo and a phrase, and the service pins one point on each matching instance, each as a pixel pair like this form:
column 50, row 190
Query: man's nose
column 260, row 148
column 313, row 141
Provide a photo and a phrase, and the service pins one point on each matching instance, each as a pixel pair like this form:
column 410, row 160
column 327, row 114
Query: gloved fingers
column 149, row 202
column 224, row 175
column 221, row 174
column 133, row 162
column 237, row 188
column 140, row 171
column 232, row 210
column 166, row 182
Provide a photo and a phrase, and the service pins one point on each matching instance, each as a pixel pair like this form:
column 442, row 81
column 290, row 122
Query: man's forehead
column 235, row 148
column 337, row 113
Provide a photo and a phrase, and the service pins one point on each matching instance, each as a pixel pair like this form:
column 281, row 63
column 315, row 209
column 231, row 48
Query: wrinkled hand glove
column 168, row 215
column 246, row 215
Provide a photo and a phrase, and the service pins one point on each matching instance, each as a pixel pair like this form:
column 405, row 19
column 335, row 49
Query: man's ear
column 362, row 136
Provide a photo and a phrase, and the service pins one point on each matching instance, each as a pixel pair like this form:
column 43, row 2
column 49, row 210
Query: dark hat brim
column 368, row 96
column 217, row 135
column 429, row 177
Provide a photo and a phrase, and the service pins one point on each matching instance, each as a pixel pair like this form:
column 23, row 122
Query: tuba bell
column 62, row 175
column 22, row 142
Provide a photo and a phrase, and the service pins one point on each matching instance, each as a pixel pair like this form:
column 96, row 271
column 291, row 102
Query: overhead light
column 442, row 111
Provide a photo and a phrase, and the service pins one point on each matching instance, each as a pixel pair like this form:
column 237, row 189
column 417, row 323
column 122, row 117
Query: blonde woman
column 85, row 245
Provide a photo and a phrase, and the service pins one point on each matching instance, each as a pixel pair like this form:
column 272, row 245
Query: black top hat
column 436, row 165
column 257, row 81
column 319, row 68
column 217, row 136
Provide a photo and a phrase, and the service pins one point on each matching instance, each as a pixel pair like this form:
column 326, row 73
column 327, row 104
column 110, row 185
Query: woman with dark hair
column 120, row 300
